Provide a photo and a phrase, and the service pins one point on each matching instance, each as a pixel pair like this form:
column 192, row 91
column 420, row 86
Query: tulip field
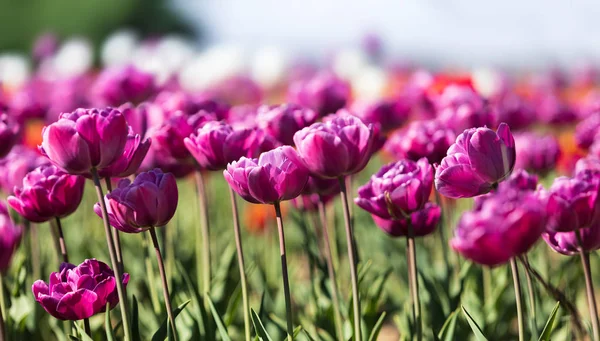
column 136, row 207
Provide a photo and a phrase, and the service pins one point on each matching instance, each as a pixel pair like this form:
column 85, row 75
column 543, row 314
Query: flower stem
column 517, row 285
column 284, row 273
column 113, row 258
column 531, row 293
column 337, row 316
column 150, row 274
column 115, row 232
column 87, row 328
column 589, row 287
column 240, row 254
column 34, row 244
column 2, row 309
column 414, row 281
column 203, row 250
column 163, row 277
column 61, row 240
column 351, row 258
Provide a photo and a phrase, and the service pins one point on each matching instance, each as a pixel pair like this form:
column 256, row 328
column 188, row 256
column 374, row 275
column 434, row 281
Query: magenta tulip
column 275, row 176
column 13, row 168
column 78, row 292
column 590, row 163
column 172, row 102
column 535, row 153
column 133, row 155
column 324, row 93
column 430, row 139
column 338, row 147
column 478, row 160
column 387, row 114
column 149, row 201
column 515, row 111
column 9, row 134
column 422, row 222
column 588, row 130
column 117, row 85
column 85, row 139
column 168, row 138
column 574, row 202
column 283, row 121
column 567, row 243
column 47, row 192
column 10, row 236
column 460, row 108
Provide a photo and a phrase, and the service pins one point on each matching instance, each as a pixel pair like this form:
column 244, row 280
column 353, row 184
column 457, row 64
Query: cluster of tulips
column 440, row 131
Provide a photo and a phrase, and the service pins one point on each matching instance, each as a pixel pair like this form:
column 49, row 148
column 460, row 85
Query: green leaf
column 218, row 321
column 135, row 323
column 549, row 324
column 377, row 327
column 161, row 333
column 84, row 336
column 447, row 331
column 476, row 330
column 107, row 325
column 297, row 331
column 261, row 332
column 201, row 314
column 310, row 338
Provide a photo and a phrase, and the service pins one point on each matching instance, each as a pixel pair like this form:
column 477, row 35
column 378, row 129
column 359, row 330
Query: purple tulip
column 30, row 101
column 590, row 163
column 567, row 243
column 47, row 192
column 430, row 139
column 397, row 190
column 118, row 85
column 85, row 139
column 388, row 114
column 13, row 168
column 137, row 117
column 283, row 121
column 460, row 108
column 573, row 203
column 324, row 187
column 520, row 180
column 536, row 153
column 552, row 110
column 423, row 222
column 10, row 236
column 134, row 153
column 172, row 102
column 276, row 175
column 505, row 225
column 324, row 93
column 9, row 134
column 45, row 46
column 478, row 160
column 335, row 148
column 587, row 131
column 169, row 137
column 78, row 292
column 149, row 201
column 515, row 111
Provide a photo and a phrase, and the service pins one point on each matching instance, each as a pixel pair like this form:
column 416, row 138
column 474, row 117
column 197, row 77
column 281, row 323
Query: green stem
column 86, row 327
column 284, row 273
column 2, row 309
column 589, row 287
column 113, row 258
column 351, row 258
column 35, row 249
column 163, row 277
column 203, row 250
column 115, row 232
column 517, row 285
column 531, row 293
column 414, row 279
column 240, row 254
column 61, row 240
column 150, row 274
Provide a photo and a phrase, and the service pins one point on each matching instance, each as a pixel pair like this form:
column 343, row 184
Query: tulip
column 9, row 133
column 460, row 108
column 388, row 114
column 515, row 111
column 520, row 180
column 590, row 163
column 130, row 161
column 171, row 102
column 566, row 243
column 283, row 121
column 169, row 137
column 586, row 131
column 117, row 85
column 536, row 153
column 45, row 46
column 478, row 160
column 324, row 93
column 422, row 222
column 13, row 168
column 78, row 292
column 551, row 109
column 573, row 203
column 430, row 139
column 10, row 236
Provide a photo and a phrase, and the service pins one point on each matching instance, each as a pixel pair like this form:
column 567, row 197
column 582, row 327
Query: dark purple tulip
column 118, row 85
column 338, row 147
column 149, row 201
column 388, row 114
column 168, row 139
column 587, row 131
column 324, row 93
column 276, row 175
column 397, row 190
column 85, row 139
column 478, row 160
column 567, row 243
column 535, row 153
column 573, row 202
column 134, row 153
column 78, row 292
column 47, row 192
column 515, row 111
column 10, row 236
column 9, row 134
column 429, row 139
column 505, row 225
column 283, row 121
column 13, row 168
column 460, row 108
column 423, row 222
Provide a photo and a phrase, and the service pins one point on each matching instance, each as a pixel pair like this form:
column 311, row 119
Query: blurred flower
column 324, row 187
column 9, row 134
column 324, row 93
column 283, row 121
column 310, row 202
column 168, row 138
column 573, row 203
column 171, row 102
column 430, row 139
column 243, row 116
column 505, row 225
column 460, row 108
column 423, row 222
column 85, row 139
column 237, row 90
column 388, row 114
column 552, row 110
column 149, row 201
column 129, row 162
column 515, row 111
column 520, row 180
column 339, row 147
column 46, row 193
column 535, row 153
column 590, row 163
column 45, row 46
column 78, row 292
column 478, row 160
column 10, row 236
column 397, row 190
column 276, row 175
column 567, row 243
column 587, row 131
column 117, row 85
column 16, row 165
